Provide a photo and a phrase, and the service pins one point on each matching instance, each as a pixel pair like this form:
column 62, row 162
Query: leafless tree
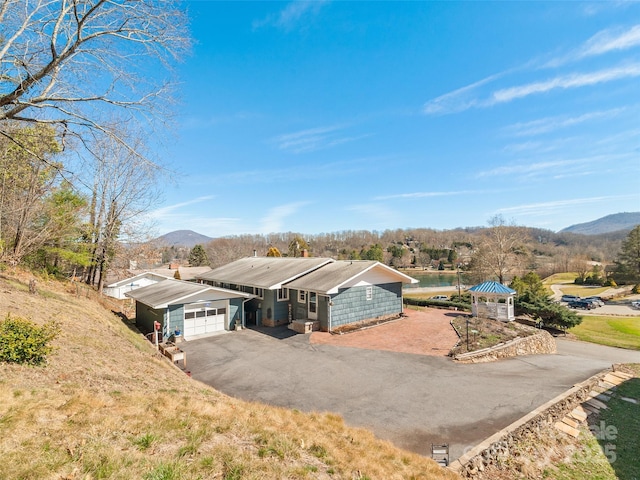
column 124, row 187
column 71, row 63
column 501, row 251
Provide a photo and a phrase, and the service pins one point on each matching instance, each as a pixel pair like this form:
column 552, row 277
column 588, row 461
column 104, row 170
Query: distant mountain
column 183, row 238
column 608, row 224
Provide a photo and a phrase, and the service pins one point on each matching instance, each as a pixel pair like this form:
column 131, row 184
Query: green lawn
column 620, row 436
column 611, row 446
column 569, row 287
column 560, row 278
column 613, row 331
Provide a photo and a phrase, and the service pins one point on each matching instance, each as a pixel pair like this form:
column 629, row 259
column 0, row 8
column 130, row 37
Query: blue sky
column 350, row 115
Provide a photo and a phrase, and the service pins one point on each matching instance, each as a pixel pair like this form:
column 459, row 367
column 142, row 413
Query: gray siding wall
column 323, row 312
column 268, row 307
column 176, row 320
column 279, row 310
column 298, row 309
column 234, row 313
column 351, row 304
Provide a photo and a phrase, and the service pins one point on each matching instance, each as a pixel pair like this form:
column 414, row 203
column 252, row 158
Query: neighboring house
column 120, row 288
column 193, row 309
column 332, row 293
column 493, row 300
column 186, row 273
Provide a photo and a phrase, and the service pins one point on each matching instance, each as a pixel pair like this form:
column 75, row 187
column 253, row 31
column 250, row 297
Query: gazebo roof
column 492, row 287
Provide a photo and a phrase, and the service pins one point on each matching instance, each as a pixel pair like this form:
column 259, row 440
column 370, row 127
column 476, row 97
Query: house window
column 283, row 294
column 369, row 293
column 302, row 296
column 258, row 292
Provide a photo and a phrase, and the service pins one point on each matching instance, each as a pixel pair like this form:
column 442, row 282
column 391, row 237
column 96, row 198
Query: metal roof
column 173, row 292
column 492, row 287
column 264, row 272
column 332, row 276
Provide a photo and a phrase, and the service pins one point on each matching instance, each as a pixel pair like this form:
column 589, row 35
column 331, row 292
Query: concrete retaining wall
column 540, row 343
column 496, row 448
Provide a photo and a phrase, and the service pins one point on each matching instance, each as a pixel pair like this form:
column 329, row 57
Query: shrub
column 22, row 341
column 463, row 304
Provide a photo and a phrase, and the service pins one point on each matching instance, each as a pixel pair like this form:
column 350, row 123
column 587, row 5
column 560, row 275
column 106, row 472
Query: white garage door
column 203, row 320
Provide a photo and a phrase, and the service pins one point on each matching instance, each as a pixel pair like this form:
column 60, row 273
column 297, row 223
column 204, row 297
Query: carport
column 188, row 309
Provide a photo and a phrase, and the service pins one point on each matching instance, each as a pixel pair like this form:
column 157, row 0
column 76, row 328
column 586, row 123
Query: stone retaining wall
column 496, row 448
column 539, row 343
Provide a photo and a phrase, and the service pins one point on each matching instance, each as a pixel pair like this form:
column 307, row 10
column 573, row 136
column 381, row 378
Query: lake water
column 431, row 280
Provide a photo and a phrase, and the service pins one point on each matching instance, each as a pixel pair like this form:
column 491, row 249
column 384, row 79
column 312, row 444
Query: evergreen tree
column 628, row 262
column 198, row 256
column 373, row 253
column 297, row 246
column 533, row 300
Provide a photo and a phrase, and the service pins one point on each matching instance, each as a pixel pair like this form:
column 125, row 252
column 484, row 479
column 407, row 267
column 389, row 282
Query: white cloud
column 274, row 220
column 556, row 169
column 314, row 139
column 458, row 100
column 603, row 42
column 564, row 82
column 545, row 208
column 424, row 195
column 610, row 40
column 292, row 15
column 548, row 124
column 171, row 209
column 529, row 169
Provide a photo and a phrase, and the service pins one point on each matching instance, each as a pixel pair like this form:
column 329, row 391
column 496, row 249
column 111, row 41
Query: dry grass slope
column 106, row 406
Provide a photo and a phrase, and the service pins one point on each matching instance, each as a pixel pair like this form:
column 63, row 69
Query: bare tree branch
column 77, row 62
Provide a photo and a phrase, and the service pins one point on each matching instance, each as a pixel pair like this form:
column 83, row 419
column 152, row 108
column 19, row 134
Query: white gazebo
column 492, row 300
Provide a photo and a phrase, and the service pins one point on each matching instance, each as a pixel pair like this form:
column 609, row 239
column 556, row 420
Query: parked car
column 582, row 304
column 635, row 304
column 570, row 298
column 597, row 301
column 440, row 297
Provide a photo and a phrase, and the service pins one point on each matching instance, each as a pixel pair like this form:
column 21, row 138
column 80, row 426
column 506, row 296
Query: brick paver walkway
column 425, row 332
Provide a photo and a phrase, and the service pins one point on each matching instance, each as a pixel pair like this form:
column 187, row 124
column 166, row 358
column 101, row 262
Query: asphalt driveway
column 409, row 399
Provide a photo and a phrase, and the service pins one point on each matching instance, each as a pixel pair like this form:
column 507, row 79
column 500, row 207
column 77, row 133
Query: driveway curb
column 497, row 446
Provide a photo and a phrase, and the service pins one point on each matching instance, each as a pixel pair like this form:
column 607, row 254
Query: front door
column 313, row 306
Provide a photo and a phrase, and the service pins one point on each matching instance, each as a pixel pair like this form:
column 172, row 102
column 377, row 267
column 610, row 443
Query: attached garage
column 204, row 318
column 189, row 309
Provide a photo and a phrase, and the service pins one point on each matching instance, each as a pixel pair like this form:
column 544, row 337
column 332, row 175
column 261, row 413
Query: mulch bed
column 485, row 332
